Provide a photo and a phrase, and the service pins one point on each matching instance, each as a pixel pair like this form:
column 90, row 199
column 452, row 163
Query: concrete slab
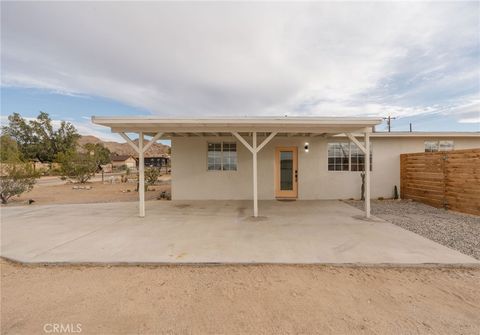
column 211, row 232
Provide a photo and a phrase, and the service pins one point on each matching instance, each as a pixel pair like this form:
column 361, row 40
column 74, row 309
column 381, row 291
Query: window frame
column 437, row 145
column 222, row 156
column 334, row 157
column 349, row 146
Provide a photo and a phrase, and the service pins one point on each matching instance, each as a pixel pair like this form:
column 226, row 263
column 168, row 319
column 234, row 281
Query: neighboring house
column 123, row 161
column 157, row 161
column 293, row 158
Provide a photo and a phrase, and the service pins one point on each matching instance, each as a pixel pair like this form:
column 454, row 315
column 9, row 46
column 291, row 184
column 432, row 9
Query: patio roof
column 238, row 127
column 170, row 127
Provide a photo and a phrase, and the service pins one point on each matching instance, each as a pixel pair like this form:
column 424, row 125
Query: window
column 434, row 146
column 446, row 145
column 346, row 156
column 222, row 156
column 338, row 156
column 229, row 161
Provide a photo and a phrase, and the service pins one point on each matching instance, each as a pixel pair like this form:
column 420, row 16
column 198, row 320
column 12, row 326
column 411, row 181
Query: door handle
column 296, row 176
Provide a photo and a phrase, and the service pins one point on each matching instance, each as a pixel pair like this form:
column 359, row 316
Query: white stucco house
column 305, row 158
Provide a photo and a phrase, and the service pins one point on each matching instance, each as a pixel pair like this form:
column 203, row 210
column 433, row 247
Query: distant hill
column 156, row 149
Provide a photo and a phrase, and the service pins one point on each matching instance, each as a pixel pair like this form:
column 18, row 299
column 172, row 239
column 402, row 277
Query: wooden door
column 286, row 172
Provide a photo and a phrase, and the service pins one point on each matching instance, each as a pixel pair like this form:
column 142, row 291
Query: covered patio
column 253, row 133
column 212, row 232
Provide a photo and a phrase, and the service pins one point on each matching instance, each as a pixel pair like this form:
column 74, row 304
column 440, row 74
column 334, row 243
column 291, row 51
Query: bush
column 15, row 179
column 77, row 166
column 151, row 176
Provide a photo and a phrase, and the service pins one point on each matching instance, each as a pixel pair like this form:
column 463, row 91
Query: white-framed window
column 222, row 156
column 338, row 156
column 346, row 156
column 434, row 146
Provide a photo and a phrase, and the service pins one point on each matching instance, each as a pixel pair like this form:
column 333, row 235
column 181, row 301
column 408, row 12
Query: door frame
column 291, row 194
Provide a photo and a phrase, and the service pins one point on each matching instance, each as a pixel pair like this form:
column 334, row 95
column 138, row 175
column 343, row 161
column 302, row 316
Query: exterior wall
column 130, row 163
column 192, row 181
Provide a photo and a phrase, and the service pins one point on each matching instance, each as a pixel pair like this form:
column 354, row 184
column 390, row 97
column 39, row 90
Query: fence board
column 449, row 179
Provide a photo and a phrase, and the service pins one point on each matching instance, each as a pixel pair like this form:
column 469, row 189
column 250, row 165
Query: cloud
column 266, row 58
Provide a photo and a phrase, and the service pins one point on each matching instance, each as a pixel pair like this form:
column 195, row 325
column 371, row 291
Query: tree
column 9, row 150
column 79, row 166
column 99, row 153
column 37, row 139
column 151, row 176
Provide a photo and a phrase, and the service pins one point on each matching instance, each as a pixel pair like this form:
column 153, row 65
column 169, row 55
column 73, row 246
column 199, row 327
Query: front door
column 286, row 172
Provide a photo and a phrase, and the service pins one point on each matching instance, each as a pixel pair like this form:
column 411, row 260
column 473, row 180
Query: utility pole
column 389, row 121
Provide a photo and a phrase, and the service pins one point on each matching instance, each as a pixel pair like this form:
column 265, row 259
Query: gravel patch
column 451, row 229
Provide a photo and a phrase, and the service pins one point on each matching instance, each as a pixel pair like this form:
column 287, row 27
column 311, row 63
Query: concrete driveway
column 211, row 232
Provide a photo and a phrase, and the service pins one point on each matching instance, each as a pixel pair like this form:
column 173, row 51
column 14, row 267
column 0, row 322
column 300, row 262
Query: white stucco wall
column 192, row 181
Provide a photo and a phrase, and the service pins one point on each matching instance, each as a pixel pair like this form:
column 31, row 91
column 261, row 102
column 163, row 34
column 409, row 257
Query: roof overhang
column 170, row 126
column 417, row 134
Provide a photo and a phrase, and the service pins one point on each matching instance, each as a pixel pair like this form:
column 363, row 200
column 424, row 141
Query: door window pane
column 286, row 170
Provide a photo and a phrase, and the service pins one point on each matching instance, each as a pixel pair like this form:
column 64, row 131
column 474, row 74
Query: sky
column 416, row 61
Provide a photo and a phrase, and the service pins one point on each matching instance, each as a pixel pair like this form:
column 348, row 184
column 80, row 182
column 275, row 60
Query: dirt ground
column 99, row 192
column 257, row 299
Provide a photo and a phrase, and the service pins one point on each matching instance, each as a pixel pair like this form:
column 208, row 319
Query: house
column 120, row 161
column 282, row 158
column 157, row 161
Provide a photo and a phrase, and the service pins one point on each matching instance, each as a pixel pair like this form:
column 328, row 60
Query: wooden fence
column 448, row 179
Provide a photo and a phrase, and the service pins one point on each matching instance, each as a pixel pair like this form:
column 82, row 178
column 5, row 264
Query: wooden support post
column 255, row 190
column 141, row 175
column 254, row 149
column 367, row 175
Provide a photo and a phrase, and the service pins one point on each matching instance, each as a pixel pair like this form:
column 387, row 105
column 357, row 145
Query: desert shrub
column 151, row 175
column 77, row 166
column 15, row 179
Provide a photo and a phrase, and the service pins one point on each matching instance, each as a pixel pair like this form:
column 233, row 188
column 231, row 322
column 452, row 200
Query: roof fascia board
column 290, row 129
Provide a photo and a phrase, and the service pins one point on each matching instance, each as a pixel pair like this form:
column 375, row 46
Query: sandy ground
column 44, row 194
column 262, row 299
